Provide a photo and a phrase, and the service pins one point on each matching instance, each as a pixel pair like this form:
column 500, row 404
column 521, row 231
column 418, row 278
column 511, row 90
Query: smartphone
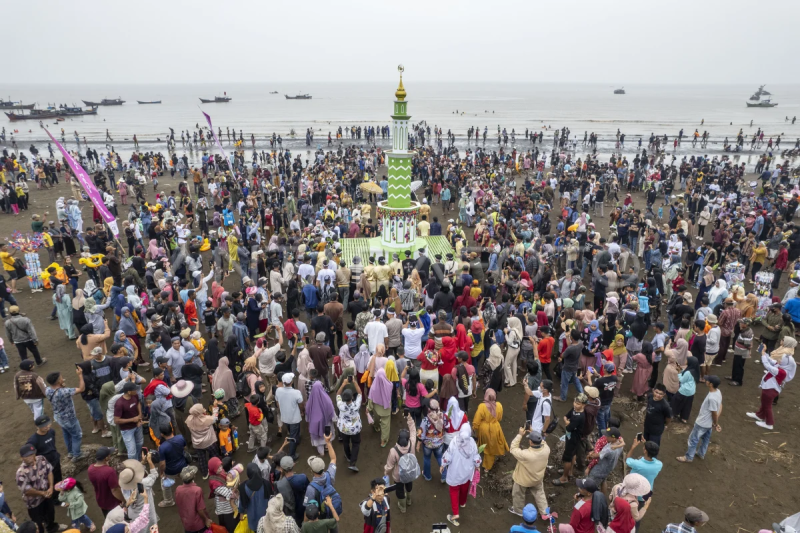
column 350, row 379
column 140, row 488
column 639, row 437
column 647, row 496
column 527, row 425
column 327, row 431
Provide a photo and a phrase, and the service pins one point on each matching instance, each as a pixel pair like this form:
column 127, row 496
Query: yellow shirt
column 8, row 261
column 423, row 228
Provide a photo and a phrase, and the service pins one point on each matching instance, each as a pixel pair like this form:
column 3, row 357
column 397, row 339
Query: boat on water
column 621, row 90
column 8, row 104
column 762, row 103
column 273, row 92
column 298, row 97
column 104, row 101
column 217, row 99
column 45, row 114
column 150, row 102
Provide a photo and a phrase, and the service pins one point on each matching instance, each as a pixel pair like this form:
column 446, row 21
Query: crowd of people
column 227, row 309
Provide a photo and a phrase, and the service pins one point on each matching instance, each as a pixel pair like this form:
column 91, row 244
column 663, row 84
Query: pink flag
column 219, row 144
column 88, row 186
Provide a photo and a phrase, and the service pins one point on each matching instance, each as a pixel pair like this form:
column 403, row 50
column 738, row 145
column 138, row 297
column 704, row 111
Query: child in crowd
column 227, row 439
column 71, row 494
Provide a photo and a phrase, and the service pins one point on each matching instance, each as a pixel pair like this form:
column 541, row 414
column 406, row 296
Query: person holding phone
column 349, row 422
column 529, row 471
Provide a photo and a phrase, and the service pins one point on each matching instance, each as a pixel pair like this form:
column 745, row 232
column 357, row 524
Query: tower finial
column 400, row 94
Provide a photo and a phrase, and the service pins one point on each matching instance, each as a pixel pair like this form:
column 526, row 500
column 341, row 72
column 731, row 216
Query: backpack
column 544, row 226
column 242, row 386
column 327, row 294
column 553, row 418
column 324, row 492
column 407, row 466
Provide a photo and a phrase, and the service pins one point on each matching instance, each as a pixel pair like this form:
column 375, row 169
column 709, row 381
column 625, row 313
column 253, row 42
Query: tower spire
column 400, row 93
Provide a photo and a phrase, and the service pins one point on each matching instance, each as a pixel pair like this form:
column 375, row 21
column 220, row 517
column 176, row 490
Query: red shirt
column 546, row 349
column 104, row 479
column 581, row 517
column 254, row 414
column 190, row 311
column 782, row 260
column 189, row 501
column 290, row 328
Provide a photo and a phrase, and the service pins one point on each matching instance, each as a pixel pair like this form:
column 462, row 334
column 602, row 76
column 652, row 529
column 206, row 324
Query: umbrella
column 371, row 187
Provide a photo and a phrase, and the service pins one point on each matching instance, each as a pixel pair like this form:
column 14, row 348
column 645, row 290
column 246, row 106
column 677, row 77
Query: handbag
column 242, row 526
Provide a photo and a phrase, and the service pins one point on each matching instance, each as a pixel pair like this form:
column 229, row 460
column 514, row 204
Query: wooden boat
column 217, row 100
column 298, row 97
column 46, row 114
column 8, row 104
column 619, row 91
column 39, row 114
column 104, row 101
column 151, row 102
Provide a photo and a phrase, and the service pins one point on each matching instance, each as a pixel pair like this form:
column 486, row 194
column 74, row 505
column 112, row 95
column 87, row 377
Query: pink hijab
column 381, row 390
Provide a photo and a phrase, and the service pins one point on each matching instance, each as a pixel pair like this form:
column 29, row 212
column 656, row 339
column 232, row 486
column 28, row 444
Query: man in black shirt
column 658, row 414
column 573, row 423
column 44, row 441
column 322, row 323
column 607, row 385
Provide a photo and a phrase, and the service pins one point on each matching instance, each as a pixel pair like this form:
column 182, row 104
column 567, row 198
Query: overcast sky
column 607, row 41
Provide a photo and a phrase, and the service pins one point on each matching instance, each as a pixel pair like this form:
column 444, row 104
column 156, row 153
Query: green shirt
column 319, row 526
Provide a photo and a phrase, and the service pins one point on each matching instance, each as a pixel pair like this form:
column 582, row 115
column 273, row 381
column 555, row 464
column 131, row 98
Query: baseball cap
column 693, row 514
column 287, row 378
column 27, row 450
column 188, row 473
column 591, row 392
column 609, row 367
column 287, row 463
column 714, row 380
column 587, row 484
column 529, row 513
column 103, row 452
column 42, row 421
column 613, row 432
column 535, row 437
column 317, row 464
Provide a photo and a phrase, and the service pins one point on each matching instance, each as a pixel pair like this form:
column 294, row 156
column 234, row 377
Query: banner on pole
column 216, row 140
column 88, row 186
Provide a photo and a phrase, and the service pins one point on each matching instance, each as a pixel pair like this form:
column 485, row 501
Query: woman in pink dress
column 644, row 367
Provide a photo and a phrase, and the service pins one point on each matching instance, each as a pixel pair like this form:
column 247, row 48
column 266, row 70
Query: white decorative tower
column 398, row 213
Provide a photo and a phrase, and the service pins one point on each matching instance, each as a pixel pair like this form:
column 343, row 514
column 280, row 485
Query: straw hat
column 131, row 474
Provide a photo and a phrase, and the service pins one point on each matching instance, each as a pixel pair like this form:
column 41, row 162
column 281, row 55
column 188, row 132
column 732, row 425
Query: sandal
column 558, row 483
column 682, row 459
column 453, row 520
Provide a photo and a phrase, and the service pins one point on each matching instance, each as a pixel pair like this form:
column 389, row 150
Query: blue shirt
column 649, row 469
column 171, row 452
column 521, row 528
column 793, row 308
column 63, row 407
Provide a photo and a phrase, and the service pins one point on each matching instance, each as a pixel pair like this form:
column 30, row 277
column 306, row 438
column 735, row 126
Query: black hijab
column 212, row 354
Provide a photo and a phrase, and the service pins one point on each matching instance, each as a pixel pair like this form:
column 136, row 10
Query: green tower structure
column 399, row 158
column 398, row 213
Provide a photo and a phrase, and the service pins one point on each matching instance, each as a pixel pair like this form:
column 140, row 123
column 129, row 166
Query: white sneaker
column 753, row 415
column 763, row 424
